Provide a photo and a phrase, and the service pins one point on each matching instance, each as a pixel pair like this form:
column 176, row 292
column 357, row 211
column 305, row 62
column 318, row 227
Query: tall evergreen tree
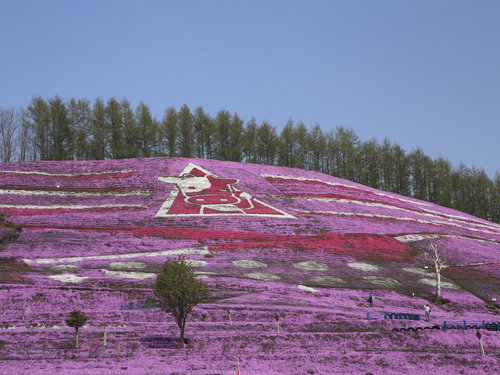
column 302, row 136
column 267, row 143
column 60, row 130
column 369, row 173
column 250, row 141
column 479, row 185
column 331, row 153
column 169, row 131
column 386, row 157
column 287, row 146
column 495, row 198
column 348, row 163
column 147, row 131
column 185, row 136
column 441, row 182
column 38, row 117
column 223, row 125
column 317, row 147
column 80, row 115
column 201, row 136
column 401, row 171
column 235, row 152
column 130, row 130
column 99, row 131
column 420, row 170
column 114, row 122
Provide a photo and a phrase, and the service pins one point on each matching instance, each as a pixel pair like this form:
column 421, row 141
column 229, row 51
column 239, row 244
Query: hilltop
column 268, row 240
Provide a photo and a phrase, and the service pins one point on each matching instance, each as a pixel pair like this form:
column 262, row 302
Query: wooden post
column 277, row 317
column 118, row 352
column 23, row 313
column 105, row 337
column 229, row 316
column 481, row 347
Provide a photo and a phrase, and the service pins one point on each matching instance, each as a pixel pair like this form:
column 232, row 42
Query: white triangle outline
column 163, row 211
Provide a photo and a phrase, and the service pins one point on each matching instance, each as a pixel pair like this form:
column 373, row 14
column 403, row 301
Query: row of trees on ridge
column 77, row 129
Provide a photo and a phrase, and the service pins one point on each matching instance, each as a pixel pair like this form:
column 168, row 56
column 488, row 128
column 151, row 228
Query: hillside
column 267, row 240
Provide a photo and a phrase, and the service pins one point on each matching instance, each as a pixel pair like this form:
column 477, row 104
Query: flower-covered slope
column 266, row 239
column 177, row 203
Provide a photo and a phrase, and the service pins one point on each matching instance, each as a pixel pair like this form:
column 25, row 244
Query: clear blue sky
column 422, row 73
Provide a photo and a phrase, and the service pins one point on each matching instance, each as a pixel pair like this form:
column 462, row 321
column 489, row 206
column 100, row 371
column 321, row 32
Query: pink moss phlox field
column 269, row 241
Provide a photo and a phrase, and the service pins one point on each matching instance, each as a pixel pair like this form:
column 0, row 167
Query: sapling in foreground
column 76, row 319
column 178, row 291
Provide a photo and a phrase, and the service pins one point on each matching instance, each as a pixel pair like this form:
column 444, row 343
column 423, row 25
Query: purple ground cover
column 267, row 240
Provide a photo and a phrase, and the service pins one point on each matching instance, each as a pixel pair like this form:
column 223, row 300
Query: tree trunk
column 182, row 335
column 77, row 339
column 438, row 286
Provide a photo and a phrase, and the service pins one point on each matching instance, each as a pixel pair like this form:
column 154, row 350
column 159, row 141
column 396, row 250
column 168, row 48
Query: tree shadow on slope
column 163, row 342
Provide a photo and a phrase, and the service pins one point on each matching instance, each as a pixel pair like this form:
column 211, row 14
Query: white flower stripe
column 129, row 274
column 201, row 251
column 479, row 221
column 70, row 207
column 420, row 237
column 362, row 214
column 72, row 193
column 390, row 207
column 67, row 174
column 284, row 177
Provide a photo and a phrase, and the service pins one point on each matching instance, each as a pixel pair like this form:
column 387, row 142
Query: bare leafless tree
column 23, row 137
column 9, row 123
column 438, row 260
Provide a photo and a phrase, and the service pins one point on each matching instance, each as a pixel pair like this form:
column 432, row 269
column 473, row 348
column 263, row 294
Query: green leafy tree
column 14, row 230
column 76, row 320
column 178, row 291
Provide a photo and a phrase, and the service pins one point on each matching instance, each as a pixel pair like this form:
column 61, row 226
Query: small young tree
column 76, row 319
column 14, row 230
column 178, row 291
column 438, row 259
